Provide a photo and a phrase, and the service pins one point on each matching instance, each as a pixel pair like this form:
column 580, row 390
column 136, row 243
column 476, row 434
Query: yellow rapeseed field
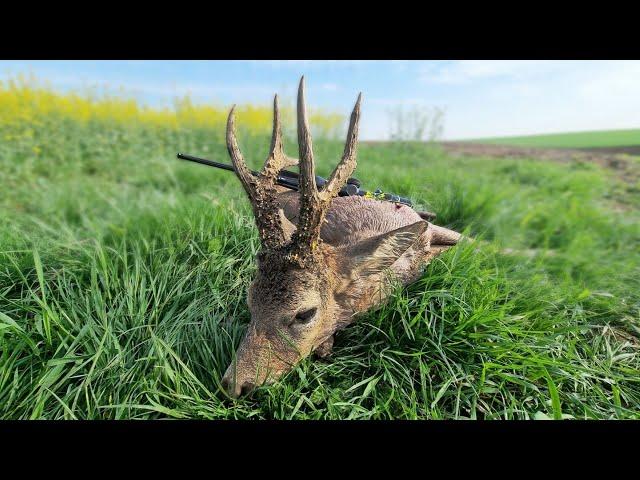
column 26, row 102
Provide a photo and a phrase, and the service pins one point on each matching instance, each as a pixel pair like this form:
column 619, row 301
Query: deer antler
column 274, row 228
column 314, row 203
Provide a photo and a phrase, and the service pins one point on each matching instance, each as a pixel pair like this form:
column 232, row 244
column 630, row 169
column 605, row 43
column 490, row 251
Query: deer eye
column 305, row 316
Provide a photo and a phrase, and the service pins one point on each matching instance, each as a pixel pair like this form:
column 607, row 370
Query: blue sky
column 481, row 98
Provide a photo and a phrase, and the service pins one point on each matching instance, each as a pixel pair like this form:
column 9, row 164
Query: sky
column 480, row 98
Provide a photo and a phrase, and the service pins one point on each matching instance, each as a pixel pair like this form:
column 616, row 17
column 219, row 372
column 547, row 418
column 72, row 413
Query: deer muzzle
column 258, row 360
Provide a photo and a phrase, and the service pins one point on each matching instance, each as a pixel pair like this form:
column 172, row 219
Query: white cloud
column 332, row 87
column 393, row 102
column 619, row 81
column 500, row 98
column 466, row 71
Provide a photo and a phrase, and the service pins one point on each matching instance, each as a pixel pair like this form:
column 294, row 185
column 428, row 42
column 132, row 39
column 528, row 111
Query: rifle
column 290, row 180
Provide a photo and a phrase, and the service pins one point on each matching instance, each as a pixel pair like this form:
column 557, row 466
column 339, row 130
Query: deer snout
column 236, row 388
column 258, row 361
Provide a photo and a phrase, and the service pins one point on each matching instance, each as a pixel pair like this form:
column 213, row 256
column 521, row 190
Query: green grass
column 595, row 139
column 123, row 274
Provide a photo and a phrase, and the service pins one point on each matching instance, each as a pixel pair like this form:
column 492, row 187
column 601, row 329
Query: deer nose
column 237, row 389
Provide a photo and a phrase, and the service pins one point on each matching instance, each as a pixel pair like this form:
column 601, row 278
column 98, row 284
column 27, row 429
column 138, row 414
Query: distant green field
column 594, row 139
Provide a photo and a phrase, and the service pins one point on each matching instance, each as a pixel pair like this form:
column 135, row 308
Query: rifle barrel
column 290, row 180
column 211, row 163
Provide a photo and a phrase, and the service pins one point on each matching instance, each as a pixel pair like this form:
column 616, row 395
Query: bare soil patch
column 616, row 159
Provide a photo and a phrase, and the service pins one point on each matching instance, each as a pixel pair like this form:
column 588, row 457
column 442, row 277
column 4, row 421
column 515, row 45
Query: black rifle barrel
column 290, row 180
column 211, row 163
column 285, row 178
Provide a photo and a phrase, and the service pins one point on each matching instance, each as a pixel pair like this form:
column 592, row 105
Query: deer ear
column 374, row 254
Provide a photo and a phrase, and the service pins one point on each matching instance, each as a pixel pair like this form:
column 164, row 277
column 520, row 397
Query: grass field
column 123, row 274
column 595, row 139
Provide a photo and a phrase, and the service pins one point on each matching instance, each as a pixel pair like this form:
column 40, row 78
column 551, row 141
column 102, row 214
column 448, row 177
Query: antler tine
column 311, row 209
column 277, row 159
column 348, row 163
column 247, row 179
column 313, row 203
column 273, row 230
column 308, row 189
